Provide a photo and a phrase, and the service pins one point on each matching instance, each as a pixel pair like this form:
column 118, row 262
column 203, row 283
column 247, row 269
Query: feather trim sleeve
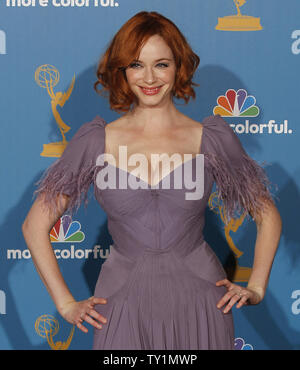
column 73, row 173
column 242, row 183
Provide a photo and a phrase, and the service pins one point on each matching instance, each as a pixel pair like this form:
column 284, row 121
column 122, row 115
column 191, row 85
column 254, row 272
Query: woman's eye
column 133, row 65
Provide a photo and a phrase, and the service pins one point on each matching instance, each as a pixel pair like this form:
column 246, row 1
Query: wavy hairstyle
column 125, row 47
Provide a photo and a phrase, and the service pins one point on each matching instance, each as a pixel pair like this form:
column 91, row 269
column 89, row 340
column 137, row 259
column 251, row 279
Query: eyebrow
column 157, row 60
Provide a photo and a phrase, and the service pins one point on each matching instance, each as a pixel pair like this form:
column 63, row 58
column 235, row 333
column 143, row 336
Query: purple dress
column 159, row 279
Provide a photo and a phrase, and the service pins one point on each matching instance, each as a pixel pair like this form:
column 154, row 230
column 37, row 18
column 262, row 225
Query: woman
column 162, row 286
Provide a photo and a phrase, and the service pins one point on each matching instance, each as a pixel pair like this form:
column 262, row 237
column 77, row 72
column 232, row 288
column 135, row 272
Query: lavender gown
column 159, row 278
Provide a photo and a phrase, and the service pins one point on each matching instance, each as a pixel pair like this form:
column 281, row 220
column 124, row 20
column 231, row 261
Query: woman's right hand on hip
column 75, row 312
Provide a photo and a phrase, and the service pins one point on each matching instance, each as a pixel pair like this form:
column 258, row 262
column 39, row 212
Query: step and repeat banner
column 249, row 73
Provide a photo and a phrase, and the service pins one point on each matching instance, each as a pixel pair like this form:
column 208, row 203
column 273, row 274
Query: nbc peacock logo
column 240, row 344
column 236, row 104
column 66, row 231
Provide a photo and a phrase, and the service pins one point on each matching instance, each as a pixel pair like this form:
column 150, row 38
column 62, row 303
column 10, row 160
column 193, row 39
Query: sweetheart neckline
column 153, row 186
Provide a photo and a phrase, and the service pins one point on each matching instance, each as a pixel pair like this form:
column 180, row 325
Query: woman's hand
column 236, row 293
column 75, row 312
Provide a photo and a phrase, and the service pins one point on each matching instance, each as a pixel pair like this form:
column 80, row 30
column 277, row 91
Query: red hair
column 125, row 47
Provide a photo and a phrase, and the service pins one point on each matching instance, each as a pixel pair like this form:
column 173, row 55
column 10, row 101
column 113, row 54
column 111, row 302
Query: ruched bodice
column 159, row 279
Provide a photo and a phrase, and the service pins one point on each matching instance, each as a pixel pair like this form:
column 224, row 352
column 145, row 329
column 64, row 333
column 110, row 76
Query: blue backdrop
column 251, row 60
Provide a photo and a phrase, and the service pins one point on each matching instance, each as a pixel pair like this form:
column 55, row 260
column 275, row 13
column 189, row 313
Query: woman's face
column 152, row 76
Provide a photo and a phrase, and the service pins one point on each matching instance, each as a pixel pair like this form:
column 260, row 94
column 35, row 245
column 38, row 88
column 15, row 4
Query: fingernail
column 99, row 326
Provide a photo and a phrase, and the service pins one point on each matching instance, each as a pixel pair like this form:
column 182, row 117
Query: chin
column 150, row 102
column 150, row 99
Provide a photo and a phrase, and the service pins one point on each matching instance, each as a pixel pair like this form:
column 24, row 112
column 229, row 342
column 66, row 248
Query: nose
column 149, row 75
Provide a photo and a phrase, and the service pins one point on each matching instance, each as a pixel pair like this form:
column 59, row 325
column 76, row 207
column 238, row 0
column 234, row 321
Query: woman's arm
column 269, row 226
column 36, row 227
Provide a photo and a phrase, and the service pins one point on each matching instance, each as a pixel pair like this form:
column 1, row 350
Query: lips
column 150, row 91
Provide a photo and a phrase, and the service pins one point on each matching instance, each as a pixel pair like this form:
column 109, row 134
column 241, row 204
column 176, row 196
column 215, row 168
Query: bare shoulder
column 116, row 124
column 188, row 126
column 116, row 127
column 193, row 124
column 190, row 131
column 115, row 130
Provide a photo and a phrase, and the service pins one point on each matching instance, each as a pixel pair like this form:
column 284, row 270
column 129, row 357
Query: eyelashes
column 134, row 64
